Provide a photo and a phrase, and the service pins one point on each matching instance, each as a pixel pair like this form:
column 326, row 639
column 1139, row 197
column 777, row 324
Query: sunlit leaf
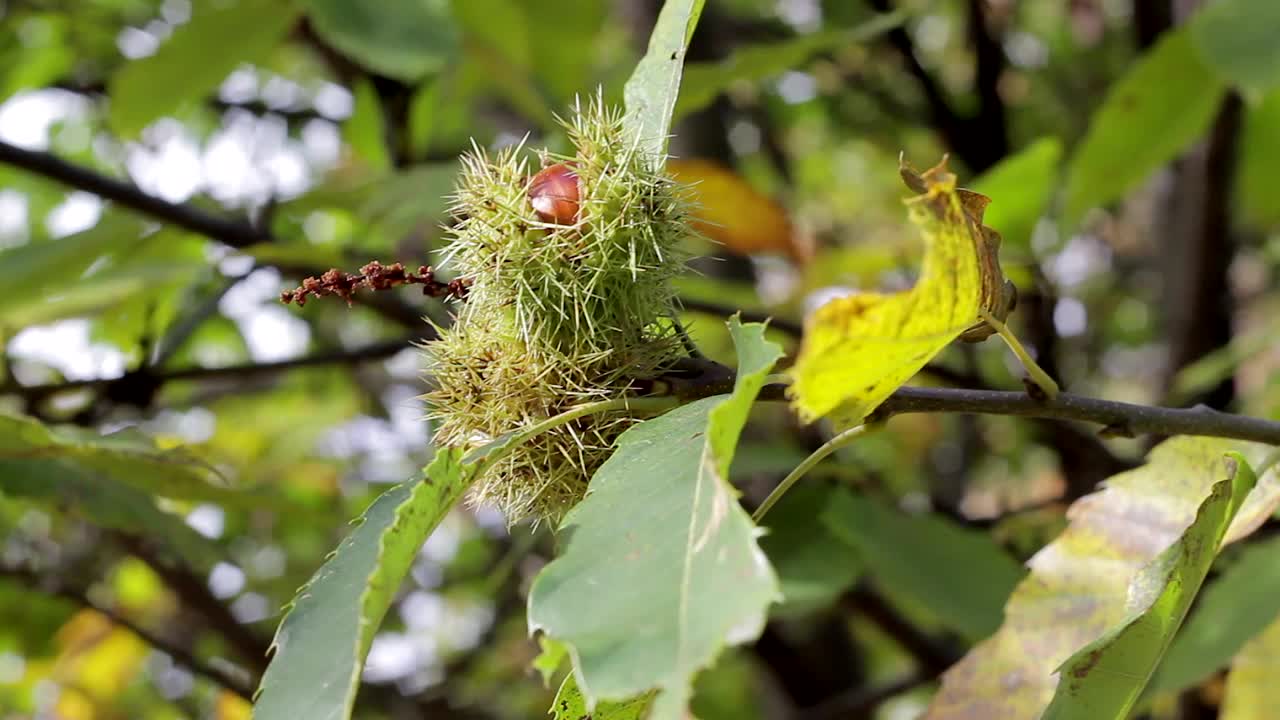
column 1024, row 183
column 731, row 212
column 960, row 576
column 404, row 39
column 652, row 89
column 196, row 58
column 1235, row 607
column 1158, row 108
column 1237, row 38
column 858, row 349
column 320, row 646
column 638, row 592
column 1080, row 584
column 571, row 705
column 1104, row 678
column 1252, row 692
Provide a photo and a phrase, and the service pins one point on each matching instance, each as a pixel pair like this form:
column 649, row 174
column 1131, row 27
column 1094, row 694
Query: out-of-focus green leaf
column 39, row 270
column 705, row 80
column 571, row 705
column 563, row 46
column 1252, row 692
column 550, row 657
column 404, row 39
column 61, row 484
column 365, row 130
column 652, row 89
column 1104, row 678
column 813, row 563
column 34, row 50
column 440, row 114
column 1161, row 105
column 1080, row 584
column 128, row 456
column 1233, row 608
column 639, row 591
column 1259, row 155
column 1022, row 185
column 196, row 58
column 1237, row 38
column 962, row 577
column 321, row 645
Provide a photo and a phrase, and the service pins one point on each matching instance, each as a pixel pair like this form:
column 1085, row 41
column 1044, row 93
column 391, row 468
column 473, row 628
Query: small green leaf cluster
column 556, row 315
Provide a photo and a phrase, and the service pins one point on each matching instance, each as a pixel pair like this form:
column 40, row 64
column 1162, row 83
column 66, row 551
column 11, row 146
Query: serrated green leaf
column 1023, row 182
column 638, row 592
column 960, row 576
column 704, row 81
column 403, row 39
column 1080, row 583
column 1237, row 38
column 1252, row 692
column 1235, row 607
column 1104, row 679
column 571, row 705
column 321, row 644
column 651, row 91
column 196, row 58
column 814, row 565
column 1161, row 105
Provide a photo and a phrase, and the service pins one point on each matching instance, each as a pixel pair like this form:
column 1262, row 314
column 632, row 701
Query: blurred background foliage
column 179, row 451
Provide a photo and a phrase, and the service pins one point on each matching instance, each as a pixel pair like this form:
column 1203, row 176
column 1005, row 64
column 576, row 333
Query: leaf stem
column 840, row 440
column 1037, row 373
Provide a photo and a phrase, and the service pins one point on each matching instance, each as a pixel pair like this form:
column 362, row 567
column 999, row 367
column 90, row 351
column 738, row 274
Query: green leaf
column 1161, row 105
column 1104, row 678
column 365, row 130
column 195, row 59
column 321, row 644
column 1237, row 606
column 638, row 592
column 129, row 457
column 1079, row 584
column 1252, row 692
column 1022, row 183
column 1258, row 156
column 814, row 565
column 960, row 576
column 704, row 81
column 62, row 485
column 551, row 656
column 651, row 91
column 571, row 705
column 1237, row 38
column 403, row 39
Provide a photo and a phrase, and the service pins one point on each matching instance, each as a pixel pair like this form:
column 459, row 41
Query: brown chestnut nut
column 554, row 194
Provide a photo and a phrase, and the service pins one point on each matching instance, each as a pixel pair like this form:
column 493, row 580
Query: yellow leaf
column 858, row 349
column 232, row 707
column 731, row 212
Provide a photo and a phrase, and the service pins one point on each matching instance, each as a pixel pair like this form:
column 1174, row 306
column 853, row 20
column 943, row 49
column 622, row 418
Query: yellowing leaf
column 1091, row 579
column 858, row 349
column 1252, row 691
column 734, row 214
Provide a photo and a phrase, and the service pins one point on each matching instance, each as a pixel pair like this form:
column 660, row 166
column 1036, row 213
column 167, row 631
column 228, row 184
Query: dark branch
column 230, row 232
column 242, row 686
column 369, row 353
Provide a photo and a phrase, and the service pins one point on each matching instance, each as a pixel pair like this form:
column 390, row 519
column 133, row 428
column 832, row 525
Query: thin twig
column 54, row 587
column 369, row 353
